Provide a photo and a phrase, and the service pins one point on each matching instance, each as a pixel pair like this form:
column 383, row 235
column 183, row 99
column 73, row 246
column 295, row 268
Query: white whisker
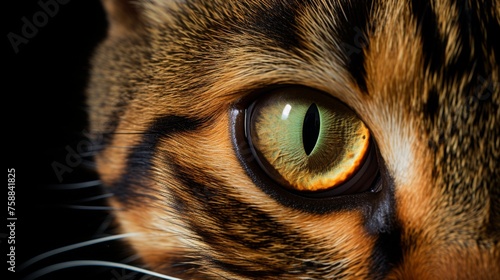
column 74, row 186
column 72, row 247
column 87, row 207
column 89, row 153
column 88, row 163
column 97, row 197
column 69, row 264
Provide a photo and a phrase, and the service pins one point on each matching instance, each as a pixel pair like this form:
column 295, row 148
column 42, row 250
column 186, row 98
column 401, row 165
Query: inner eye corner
column 309, row 130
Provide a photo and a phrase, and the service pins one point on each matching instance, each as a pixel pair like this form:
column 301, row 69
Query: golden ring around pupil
column 342, row 145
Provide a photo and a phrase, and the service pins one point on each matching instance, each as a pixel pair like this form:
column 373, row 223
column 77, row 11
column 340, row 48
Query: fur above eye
column 310, row 143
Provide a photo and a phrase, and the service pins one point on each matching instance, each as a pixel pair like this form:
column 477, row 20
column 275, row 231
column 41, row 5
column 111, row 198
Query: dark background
column 44, row 89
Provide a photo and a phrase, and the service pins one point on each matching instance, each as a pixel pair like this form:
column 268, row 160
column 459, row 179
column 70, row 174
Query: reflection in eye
column 305, row 140
column 286, row 112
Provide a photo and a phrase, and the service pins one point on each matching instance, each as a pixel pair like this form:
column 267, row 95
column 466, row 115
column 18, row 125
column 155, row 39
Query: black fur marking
column 381, row 222
column 478, row 27
column 493, row 228
column 229, row 216
column 214, row 197
column 277, row 22
column 140, row 158
column 387, row 253
column 461, row 65
column 433, row 44
column 431, row 107
column 476, row 24
column 351, row 31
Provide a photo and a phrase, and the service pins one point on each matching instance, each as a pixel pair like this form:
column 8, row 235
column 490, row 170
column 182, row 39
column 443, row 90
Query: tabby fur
column 422, row 75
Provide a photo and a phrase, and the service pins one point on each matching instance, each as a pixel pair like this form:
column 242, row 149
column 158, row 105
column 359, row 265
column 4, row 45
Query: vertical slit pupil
column 310, row 129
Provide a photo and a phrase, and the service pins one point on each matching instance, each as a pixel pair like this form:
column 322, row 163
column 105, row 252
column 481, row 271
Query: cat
column 287, row 139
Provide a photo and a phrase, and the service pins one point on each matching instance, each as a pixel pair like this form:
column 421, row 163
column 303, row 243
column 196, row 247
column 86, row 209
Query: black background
column 44, row 85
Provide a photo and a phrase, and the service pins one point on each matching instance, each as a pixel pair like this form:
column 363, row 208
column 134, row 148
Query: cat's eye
column 310, row 143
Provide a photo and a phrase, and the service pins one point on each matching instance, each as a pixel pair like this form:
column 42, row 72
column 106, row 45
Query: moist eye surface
column 305, row 140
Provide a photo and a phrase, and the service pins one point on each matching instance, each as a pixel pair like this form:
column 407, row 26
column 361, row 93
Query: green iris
column 306, row 140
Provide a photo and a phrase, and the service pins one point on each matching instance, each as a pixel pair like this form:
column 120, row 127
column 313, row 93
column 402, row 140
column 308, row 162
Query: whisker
column 97, row 197
column 69, row 264
column 74, row 186
column 131, row 132
column 87, row 207
column 90, row 165
column 72, row 247
column 91, row 153
column 88, row 162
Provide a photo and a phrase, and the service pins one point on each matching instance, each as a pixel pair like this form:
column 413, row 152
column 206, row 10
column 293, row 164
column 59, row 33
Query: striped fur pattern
column 422, row 75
